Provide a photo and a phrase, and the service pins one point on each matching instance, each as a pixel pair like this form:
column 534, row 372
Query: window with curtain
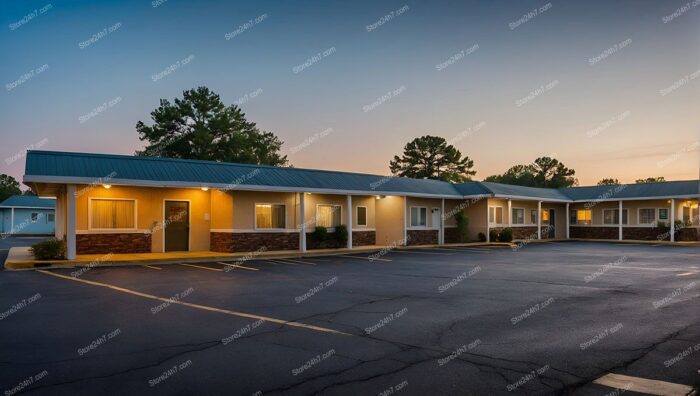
column 647, row 216
column 545, row 216
column 361, row 216
column 419, row 217
column 270, row 216
column 112, row 214
column 612, row 216
column 328, row 215
column 690, row 215
column 584, row 217
column 496, row 215
column 518, row 216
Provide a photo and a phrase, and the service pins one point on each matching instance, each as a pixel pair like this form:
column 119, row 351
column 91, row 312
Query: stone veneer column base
column 364, row 238
column 232, row 242
column 113, row 243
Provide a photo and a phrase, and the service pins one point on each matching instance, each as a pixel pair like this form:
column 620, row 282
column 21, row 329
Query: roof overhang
column 34, row 179
column 688, row 196
column 523, row 198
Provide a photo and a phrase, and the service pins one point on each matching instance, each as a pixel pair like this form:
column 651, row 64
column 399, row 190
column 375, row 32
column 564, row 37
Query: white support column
column 349, row 221
column 539, row 219
column 619, row 220
column 70, row 222
column 488, row 222
column 12, row 221
column 302, row 226
column 405, row 221
column 568, row 221
column 442, row 222
column 510, row 213
column 673, row 220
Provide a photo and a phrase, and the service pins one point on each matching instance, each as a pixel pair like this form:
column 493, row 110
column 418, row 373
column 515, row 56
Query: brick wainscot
column 422, row 237
column 113, row 243
column 231, row 242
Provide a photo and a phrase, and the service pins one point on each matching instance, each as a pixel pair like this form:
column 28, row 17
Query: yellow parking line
column 199, row 266
column 415, row 252
column 365, row 258
column 296, row 261
column 198, row 306
column 643, row 385
column 152, row 267
column 238, row 266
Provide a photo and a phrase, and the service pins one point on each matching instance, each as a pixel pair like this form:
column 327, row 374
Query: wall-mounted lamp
column 205, row 188
column 107, row 186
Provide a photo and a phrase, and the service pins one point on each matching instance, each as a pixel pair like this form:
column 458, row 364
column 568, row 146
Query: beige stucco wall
column 244, row 208
column 430, row 204
column 149, row 207
column 389, row 215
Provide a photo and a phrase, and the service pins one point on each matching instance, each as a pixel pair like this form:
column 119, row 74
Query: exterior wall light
column 107, row 186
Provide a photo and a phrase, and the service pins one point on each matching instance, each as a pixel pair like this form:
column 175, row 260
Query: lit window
column 361, row 216
column 545, row 216
column 690, row 215
column 496, row 215
column 271, row 216
column 584, row 216
column 647, row 216
column 612, row 216
column 328, row 215
column 518, row 216
column 113, row 214
column 419, row 217
column 35, row 217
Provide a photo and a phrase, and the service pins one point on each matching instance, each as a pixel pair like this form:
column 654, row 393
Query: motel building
column 128, row 204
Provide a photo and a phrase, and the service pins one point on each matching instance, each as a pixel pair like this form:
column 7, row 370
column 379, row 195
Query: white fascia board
column 638, row 199
column 522, row 198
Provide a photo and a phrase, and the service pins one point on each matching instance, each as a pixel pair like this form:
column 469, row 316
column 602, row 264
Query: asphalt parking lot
column 546, row 319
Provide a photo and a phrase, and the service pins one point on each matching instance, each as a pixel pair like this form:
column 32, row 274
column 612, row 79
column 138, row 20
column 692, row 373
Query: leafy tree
column 651, row 180
column 200, row 126
column 431, row 157
column 609, row 182
column 543, row 172
column 8, row 187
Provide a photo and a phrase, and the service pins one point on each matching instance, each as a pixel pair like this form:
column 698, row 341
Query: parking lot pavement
column 545, row 319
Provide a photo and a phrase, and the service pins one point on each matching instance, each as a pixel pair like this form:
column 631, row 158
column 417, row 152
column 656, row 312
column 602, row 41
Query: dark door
column 177, row 226
column 552, row 222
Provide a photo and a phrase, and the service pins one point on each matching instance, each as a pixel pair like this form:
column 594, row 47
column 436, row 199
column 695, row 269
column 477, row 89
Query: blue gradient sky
column 658, row 137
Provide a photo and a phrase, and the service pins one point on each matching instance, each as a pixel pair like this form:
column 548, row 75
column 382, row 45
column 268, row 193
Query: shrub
column 462, row 226
column 320, row 234
column 662, row 227
column 506, row 235
column 493, row 236
column 482, row 237
column 50, row 249
column 341, row 235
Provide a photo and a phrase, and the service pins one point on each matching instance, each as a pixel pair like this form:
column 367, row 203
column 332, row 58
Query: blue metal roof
column 521, row 191
column 28, row 201
column 168, row 170
column 57, row 167
column 627, row 191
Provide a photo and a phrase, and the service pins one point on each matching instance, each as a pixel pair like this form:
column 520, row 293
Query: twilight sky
column 610, row 88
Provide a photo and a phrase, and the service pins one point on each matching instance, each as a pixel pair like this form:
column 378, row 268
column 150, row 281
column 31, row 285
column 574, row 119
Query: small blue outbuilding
column 27, row 214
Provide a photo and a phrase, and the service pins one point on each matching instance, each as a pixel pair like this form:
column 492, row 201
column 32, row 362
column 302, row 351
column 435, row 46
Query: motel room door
column 552, row 224
column 177, row 226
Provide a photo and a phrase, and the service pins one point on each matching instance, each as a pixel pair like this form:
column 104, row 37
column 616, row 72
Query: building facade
column 123, row 204
column 27, row 215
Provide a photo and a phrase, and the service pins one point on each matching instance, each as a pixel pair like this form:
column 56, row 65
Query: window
column 361, row 216
column 112, row 214
column 328, row 215
column 663, row 214
column 35, row 217
column 518, row 216
column 496, row 215
column 419, row 216
column 270, row 216
column 690, row 215
column 533, row 216
column 584, row 216
column 647, row 216
column 51, row 218
column 612, row 216
column 545, row 216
